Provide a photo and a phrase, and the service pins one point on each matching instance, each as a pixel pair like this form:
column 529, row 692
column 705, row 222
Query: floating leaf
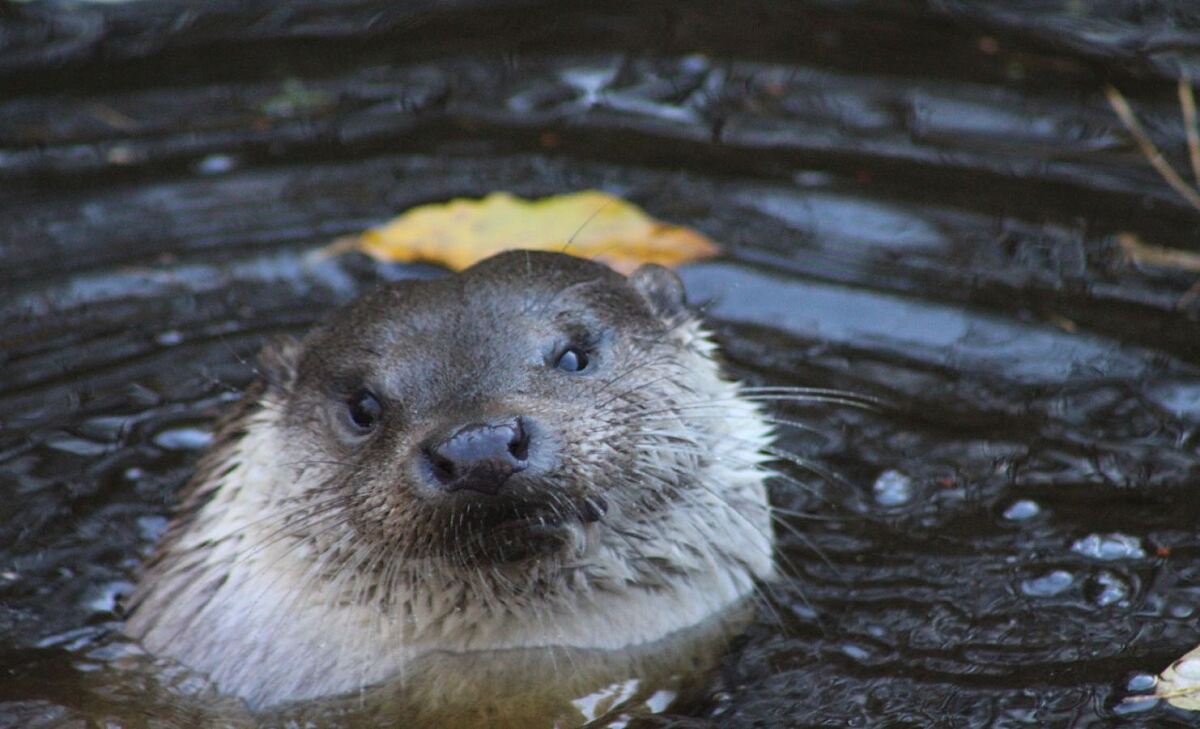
column 588, row 224
column 1180, row 683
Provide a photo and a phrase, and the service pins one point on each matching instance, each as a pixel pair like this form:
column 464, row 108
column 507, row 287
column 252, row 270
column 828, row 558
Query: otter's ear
column 277, row 362
column 662, row 290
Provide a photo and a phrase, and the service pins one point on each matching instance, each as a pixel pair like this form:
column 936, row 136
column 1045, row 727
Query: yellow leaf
column 588, row 224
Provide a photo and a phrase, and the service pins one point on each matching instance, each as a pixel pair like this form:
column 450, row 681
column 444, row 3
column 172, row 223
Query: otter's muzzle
column 479, row 457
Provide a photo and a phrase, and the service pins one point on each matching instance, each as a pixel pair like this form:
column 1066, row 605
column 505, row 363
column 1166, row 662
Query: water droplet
column 1181, row 399
column 142, row 396
column 812, row 178
column 1109, row 547
column 1140, row 682
column 1181, row 610
column 803, row 611
column 856, row 652
column 660, row 700
column 1135, row 704
column 75, row 445
column 721, row 701
column 103, row 428
column 892, row 488
column 1108, row 588
column 151, row 527
column 104, row 600
column 121, row 155
column 183, row 439
column 1048, row 585
column 1022, row 510
column 169, row 338
column 216, row 164
column 72, row 639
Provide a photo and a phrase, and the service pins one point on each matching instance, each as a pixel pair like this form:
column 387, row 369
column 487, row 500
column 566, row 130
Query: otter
column 535, row 452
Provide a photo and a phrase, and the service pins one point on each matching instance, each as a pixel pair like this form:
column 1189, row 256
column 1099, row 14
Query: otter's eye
column 363, row 410
column 573, row 359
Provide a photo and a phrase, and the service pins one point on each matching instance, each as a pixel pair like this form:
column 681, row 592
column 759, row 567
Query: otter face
column 494, row 416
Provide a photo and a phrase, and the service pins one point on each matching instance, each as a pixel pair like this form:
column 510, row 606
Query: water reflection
column 510, row 689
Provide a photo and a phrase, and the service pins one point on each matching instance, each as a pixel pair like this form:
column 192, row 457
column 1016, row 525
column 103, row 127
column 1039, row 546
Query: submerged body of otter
column 534, row 452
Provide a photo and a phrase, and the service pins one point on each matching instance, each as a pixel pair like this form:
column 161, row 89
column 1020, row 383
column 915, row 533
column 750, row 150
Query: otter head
column 536, row 451
column 492, row 416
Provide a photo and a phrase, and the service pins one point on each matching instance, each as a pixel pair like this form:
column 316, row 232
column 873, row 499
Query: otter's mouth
column 520, row 530
column 526, row 515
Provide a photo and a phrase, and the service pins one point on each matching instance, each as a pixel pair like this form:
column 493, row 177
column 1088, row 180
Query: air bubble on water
column 1135, row 704
column 1109, row 547
column 151, row 527
column 216, row 164
column 660, row 700
column 892, row 488
column 105, row 598
column 67, row 443
column 1112, row 590
column 1048, row 585
column 183, row 439
column 1181, row 610
column 72, row 640
column 169, row 338
column 1022, row 510
column 803, row 611
column 1141, row 682
column 856, row 652
column 812, row 178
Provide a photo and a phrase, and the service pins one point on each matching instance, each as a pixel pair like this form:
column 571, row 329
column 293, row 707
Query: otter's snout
column 480, row 456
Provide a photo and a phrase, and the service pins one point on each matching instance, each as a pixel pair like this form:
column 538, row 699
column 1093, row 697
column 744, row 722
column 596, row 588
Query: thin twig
column 1187, row 102
column 1189, row 296
column 1148, row 148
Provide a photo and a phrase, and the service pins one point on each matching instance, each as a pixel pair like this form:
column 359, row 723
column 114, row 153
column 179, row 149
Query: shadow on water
column 924, row 202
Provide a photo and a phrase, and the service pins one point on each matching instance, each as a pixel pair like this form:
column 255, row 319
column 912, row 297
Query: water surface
column 922, row 206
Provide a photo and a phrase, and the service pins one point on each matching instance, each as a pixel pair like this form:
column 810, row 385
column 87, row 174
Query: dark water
column 923, row 203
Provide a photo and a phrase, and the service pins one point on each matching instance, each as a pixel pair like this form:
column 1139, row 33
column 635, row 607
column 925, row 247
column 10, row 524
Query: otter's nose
column 479, row 457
